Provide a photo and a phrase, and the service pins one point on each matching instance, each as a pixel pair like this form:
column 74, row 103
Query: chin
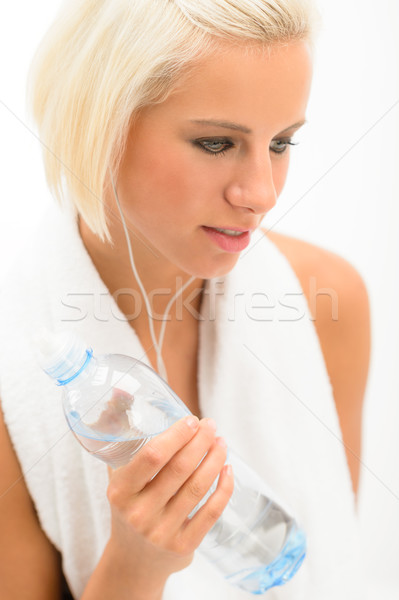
column 216, row 268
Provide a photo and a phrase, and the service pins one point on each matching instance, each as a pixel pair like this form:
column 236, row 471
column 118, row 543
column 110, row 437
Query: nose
column 252, row 187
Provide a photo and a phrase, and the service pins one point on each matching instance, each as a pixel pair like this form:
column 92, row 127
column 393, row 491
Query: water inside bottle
column 114, row 453
column 259, row 579
column 258, row 551
column 124, row 425
column 256, row 544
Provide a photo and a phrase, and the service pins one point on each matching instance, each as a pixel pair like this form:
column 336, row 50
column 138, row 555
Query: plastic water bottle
column 114, row 404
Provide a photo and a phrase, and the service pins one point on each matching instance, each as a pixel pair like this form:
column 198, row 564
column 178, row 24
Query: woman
column 135, row 101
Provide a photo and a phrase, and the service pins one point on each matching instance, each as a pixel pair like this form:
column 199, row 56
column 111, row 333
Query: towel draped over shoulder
column 261, row 376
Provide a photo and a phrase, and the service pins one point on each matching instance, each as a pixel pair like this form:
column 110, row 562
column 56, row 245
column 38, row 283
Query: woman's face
column 215, row 154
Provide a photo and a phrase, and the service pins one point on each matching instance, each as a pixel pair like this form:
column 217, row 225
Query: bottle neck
column 75, row 376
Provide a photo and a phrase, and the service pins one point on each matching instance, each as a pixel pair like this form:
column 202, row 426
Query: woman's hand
column 152, row 496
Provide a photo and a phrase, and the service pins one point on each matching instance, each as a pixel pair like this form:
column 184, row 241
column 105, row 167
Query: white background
column 342, row 193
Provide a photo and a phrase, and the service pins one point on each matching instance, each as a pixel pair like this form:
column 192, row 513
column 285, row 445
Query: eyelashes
column 219, row 146
column 284, row 144
column 214, row 146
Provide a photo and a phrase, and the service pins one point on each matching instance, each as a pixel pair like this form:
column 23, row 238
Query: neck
column 160, row 278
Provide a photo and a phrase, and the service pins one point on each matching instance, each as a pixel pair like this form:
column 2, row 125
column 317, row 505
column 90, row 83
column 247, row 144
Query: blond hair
column 103, row 60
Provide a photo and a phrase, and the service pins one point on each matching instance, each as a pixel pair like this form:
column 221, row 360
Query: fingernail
column 192, row 421
column 228, row 469
column 221, row 442
column 211, row 424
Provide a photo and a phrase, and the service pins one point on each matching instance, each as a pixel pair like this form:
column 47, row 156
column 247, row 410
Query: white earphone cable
column 180, row 291
column 157, row 344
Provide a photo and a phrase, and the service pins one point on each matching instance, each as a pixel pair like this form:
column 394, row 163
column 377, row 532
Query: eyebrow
column 237, row 127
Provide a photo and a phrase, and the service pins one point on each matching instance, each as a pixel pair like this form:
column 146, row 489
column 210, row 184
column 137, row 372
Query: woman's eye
column 214, row 146
column 280, row 146
column 218, row 147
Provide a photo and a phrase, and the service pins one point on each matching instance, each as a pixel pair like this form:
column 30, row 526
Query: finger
column 198, row 485
column 196, row 528
column 134, row 476
column 181, row 466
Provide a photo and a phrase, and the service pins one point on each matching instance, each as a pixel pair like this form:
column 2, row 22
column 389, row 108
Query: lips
column 228, row 242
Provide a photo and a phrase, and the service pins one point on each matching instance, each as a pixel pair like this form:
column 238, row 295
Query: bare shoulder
column 339, row 303
column 310, row 260
column 336, row 293
column 29, row 564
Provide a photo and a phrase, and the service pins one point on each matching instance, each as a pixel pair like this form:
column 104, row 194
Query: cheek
column 171, row 177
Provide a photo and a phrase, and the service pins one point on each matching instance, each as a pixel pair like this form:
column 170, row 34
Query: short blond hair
column 103, row 60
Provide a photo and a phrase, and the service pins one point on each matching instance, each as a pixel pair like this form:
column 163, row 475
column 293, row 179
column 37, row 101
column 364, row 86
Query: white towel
column 261, row 377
